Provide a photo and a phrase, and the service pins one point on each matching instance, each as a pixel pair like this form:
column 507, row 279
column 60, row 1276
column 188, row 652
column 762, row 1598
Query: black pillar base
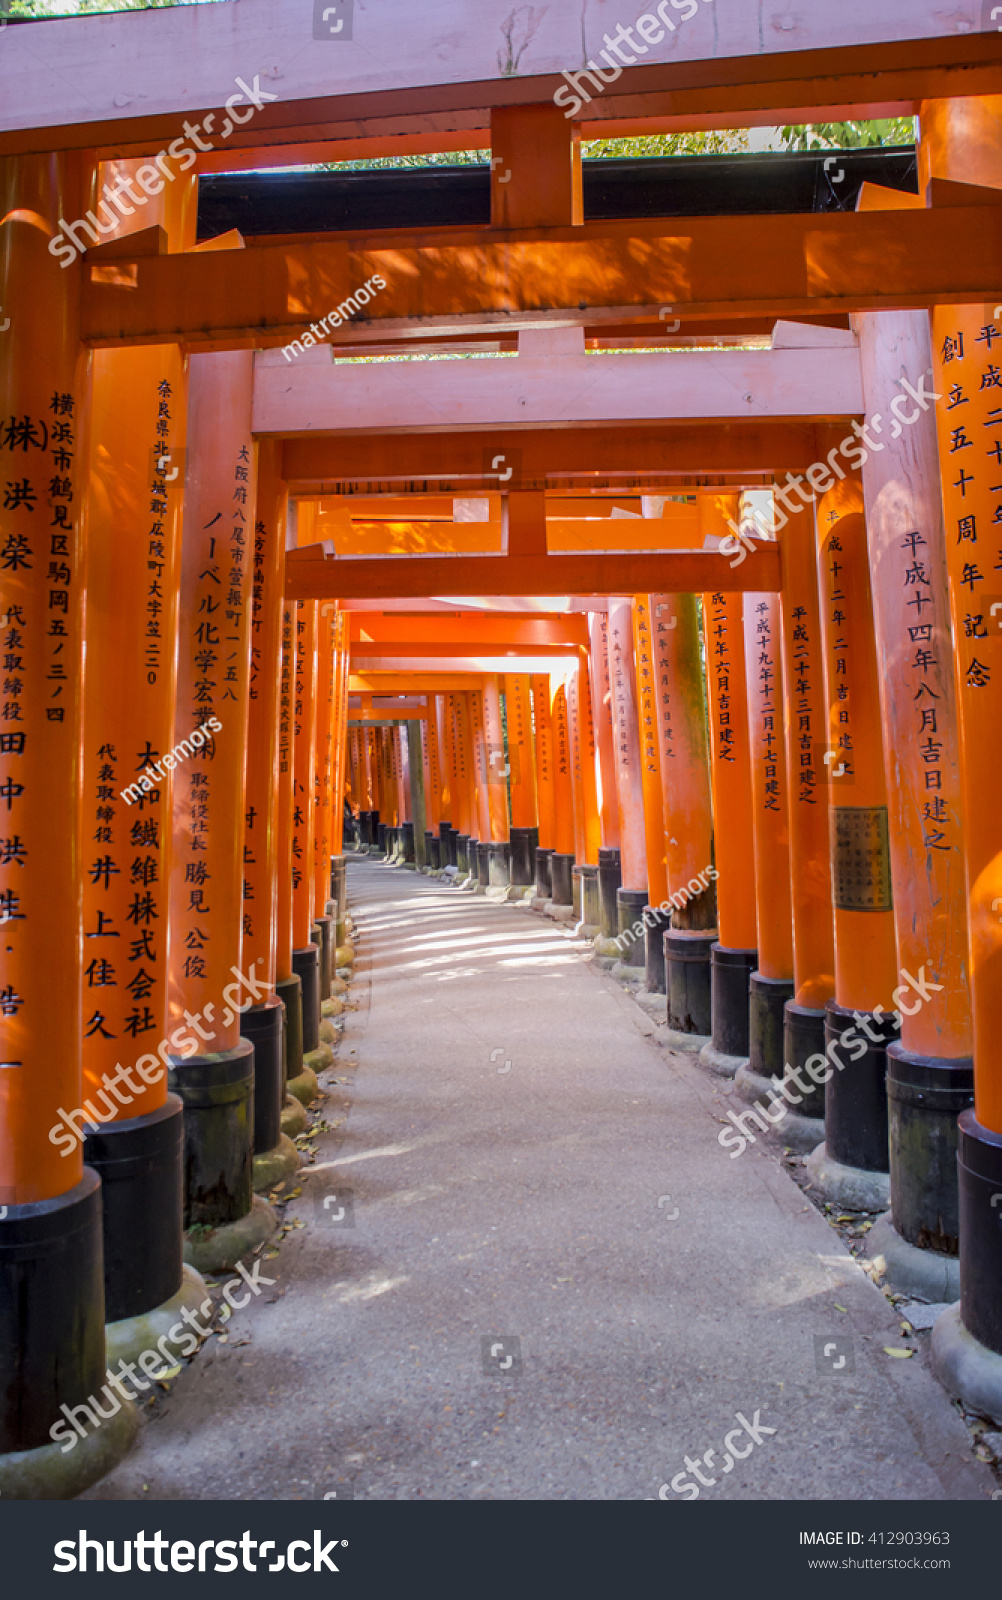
column 290, row 992
column 687, row 978
column 630, row 907
column 306, row 966
column 432, row 850
column 803, row 1037
column 51, row 1312
column 544, row 885
column 561, row 879
column 609, row 880
column 856, row 1093
column 499, row 864
column 463, row 853
column 326, row 947
column 979, row 1169
column 767, row 999
column 407, row 829
column 523, row 850
column 139, row 1162
column 483, row 863
column 730, row 977
column 591, row 913
column 262, row 1025
column 925, row 1096
column 381, row 831
column 217, row 1092
column 658, row 924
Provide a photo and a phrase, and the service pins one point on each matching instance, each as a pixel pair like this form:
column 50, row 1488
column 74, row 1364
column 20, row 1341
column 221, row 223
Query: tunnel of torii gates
column 527, row 614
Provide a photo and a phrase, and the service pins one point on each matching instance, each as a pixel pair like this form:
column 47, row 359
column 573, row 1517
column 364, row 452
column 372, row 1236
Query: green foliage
column 850, row 135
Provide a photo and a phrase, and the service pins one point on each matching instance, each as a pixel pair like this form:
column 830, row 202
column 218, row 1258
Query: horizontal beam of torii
column 124, row 83
column 552, row 381
column 372, row 633
column 465, row 280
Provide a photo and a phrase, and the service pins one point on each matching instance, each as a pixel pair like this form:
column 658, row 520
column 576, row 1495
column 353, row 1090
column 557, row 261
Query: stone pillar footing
column 691, row 1044
column 852, row 1188
column 271, row 1166
column 51, row 1472
column 713, row 1060
column 921, row 1274
column 967, row 1369
column 293, row 1117
column 219, row 1249
column 127, row 1339
column 795, row 1131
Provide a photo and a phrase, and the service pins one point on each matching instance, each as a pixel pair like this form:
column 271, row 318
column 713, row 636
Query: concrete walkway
column 525, row 1163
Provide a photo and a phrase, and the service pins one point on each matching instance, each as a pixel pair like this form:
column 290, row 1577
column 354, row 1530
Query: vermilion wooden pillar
column 522, row 780
column 960, row 142
column 602, row 711
column 865, row 965
column 911, row 606
column 133, row 486
column 734, row 957
column 680, row 710
column 632, row 896
column 52, row 1348
column 481, row 767
column 772, row 984
column 264, row 1023
column 287, row 985
column 206, row 897
column 305, row 954
column 499, row 869
column 810, row 853
column 654, row 814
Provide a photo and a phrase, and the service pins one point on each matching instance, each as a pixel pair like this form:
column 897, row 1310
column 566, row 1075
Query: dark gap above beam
column 264, row 203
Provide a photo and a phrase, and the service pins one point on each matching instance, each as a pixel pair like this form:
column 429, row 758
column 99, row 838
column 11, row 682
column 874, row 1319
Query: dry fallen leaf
column 902, row 1355
column 840, row 1308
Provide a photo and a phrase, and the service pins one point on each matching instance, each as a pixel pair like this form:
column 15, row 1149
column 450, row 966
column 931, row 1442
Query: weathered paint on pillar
column 632, row 845
column 770, row 797
column 138, row 416
column 260, row 887
column 518, row 709
column 307, row 620
column 497, row 778
column 806, row 745
column 545, row 793
column 602, row 711
column 861, row 874
column 213, row 682
column 650, row 768
column 911, row 608
column 680, row 710
column 43, row 381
